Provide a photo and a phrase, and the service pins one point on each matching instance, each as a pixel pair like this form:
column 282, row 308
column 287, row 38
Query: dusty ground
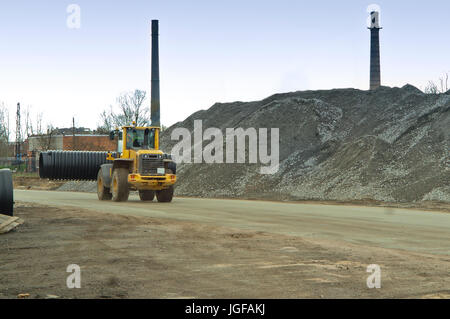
column 32, row 181
column 143, row 257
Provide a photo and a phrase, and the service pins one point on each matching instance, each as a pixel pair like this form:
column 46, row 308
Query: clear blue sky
column 210, row 51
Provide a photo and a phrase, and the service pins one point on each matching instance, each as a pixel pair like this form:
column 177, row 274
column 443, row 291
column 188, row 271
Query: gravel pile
column 79, row 186
column 391, row 144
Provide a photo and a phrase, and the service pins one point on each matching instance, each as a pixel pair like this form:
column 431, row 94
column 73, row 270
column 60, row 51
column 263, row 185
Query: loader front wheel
column 146, row 195
column 165, row 195
column 120, row 190
column 103, row 193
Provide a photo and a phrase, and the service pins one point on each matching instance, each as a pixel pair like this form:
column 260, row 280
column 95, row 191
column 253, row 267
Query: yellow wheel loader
column 141, row 166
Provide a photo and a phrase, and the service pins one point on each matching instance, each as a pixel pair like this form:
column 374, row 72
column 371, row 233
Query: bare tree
column 28, row 129
column 444, row 83
column 433, row 88
column 39, row 123
column 107, row 122
column 32, row 127
column 40, row 140
column 130, row 108
column 43, row 141
column 4, row 130
column 4, row 122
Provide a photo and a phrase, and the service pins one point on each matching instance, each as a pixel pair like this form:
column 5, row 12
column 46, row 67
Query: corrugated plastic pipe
column 71, row 165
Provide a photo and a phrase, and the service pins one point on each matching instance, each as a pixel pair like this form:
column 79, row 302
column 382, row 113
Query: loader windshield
column 140, row 139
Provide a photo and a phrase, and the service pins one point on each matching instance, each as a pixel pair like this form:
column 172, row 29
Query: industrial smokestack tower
column 154, row 110
column 375, row 75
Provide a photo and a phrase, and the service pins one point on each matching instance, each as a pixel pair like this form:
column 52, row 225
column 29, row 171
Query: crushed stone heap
column 390, row 144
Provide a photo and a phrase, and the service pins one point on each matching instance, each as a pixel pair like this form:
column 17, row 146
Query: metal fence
column 27, row 164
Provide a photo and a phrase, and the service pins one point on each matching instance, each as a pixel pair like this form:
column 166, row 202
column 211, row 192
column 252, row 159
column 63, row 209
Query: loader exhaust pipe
column 155, row 107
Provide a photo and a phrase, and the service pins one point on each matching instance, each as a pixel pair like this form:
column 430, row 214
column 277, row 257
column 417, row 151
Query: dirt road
column 414, row 230
column 202, row 248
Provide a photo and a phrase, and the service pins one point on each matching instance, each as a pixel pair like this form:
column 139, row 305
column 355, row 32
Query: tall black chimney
column 375, row 74
column 155, row 107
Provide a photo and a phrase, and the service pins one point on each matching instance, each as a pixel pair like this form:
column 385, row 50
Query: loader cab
column 140, row 138
column 133, row 138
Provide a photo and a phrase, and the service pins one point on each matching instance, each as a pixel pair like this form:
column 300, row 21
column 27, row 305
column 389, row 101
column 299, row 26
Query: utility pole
column 73, row 133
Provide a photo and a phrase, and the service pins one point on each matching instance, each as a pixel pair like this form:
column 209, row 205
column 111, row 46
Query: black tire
column 120, row 190
column 6, row 192
column 146, row 195
column 165, row 195
column 103, row 193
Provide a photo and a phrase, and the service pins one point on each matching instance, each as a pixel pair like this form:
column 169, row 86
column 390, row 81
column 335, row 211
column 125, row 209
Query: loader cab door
column 119, row 135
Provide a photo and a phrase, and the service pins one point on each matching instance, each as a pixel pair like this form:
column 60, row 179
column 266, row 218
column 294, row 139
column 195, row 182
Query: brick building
column 77, row 142
column 34, row 145
column 88, row 143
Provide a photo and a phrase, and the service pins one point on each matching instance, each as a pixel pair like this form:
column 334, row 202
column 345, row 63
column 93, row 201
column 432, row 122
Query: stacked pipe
column 71, row 165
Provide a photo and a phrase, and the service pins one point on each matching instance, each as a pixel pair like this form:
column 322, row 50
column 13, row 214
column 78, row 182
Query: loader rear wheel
column 146, row 195
column 6, row 192
column 165, row 195
column 103, row 193
column 120, row 190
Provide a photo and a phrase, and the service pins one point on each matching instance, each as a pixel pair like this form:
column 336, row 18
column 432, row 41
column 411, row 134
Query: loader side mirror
column 111, row 135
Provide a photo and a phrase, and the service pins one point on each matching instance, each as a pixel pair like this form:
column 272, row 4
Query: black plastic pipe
column 71, row 165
